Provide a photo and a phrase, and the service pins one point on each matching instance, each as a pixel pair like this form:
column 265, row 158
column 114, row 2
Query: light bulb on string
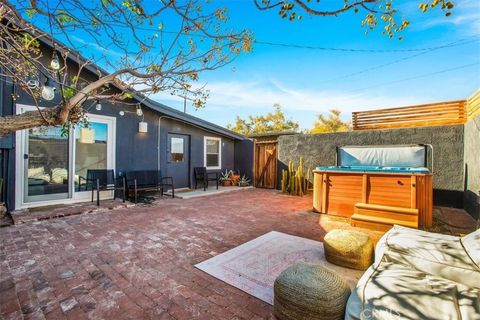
column 48, row 90
column 33, row 83
column 98, row 105
column 55, row 62
column 139, row 110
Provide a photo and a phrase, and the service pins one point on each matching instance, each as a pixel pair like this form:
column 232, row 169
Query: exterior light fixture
column 143, row 127
column 122, row 113
column 139, row 110
column 98, row 105
column 55, row 62
column 48, row 90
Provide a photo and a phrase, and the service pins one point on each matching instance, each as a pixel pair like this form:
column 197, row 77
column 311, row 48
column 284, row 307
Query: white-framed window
column 212, row 151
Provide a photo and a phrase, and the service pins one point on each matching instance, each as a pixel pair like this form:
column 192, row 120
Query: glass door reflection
column 90, row 152
column 47, row 170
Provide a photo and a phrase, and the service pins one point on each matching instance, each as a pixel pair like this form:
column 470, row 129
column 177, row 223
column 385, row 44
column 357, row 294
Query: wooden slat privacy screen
column 473, row 105
column 433, row 114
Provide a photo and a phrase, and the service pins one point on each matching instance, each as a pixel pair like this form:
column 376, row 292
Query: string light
column 139, row 110
column 55, row 62
column 98, row 105
column 48, row 90
column 33, row 83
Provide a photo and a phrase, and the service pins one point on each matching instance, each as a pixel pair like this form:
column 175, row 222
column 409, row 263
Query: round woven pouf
column 308, row 291
column 348, row 248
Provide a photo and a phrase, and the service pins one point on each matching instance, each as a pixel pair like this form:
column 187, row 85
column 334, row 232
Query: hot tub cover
column 375, row 169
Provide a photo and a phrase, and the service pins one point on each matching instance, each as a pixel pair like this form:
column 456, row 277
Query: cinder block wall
column 472, row 167
column 447, row 143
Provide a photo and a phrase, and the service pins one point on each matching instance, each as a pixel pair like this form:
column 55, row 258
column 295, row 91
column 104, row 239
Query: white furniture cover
column 420, row 275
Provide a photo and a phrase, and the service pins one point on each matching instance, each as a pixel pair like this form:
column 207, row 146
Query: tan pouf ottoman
column 308, row 291
column 349, row 248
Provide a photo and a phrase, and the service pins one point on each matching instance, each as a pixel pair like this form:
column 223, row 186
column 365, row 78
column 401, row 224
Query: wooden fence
column 473, row 105
column 433, row 114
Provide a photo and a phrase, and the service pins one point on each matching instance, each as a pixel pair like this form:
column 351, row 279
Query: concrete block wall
column 472, row 167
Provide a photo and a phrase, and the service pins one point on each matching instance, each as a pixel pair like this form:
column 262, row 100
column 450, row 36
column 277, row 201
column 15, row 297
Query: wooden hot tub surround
column 375, row 200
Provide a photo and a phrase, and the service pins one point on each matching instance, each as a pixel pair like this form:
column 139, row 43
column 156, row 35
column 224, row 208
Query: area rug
column 254, row 265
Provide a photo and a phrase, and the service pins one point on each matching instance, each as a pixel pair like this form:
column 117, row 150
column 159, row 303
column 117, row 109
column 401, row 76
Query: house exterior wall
column 472, row 167
column 244, row 158
column 447, row 143
column 133, row 150
column 172, row 126
column 7, row 152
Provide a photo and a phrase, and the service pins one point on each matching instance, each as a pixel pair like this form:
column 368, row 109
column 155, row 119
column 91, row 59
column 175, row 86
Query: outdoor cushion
column 38, row 171
column 59, row 175
column 396, row 291
column 471, row 243
column 437, row 254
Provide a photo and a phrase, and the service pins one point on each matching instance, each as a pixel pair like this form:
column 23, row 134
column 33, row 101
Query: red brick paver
column 138, row 262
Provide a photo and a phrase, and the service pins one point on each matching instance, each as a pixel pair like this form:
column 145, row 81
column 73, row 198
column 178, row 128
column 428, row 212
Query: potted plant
column 243, row 181
column 234, row 177
column 225, row 178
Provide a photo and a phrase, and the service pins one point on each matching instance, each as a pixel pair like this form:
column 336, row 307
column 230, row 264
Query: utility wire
column 287, row 45
column 417, row 77
column 452, row 44
column 299, row 46
column 291, row 45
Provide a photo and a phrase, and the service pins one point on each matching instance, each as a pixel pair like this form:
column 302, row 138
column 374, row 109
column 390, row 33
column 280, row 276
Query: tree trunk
column 30, row 119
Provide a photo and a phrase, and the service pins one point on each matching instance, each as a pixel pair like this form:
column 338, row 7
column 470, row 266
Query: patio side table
column 308, row 291
column 348, row 248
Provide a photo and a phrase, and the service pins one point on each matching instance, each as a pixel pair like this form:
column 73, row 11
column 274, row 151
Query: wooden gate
column 265, row 169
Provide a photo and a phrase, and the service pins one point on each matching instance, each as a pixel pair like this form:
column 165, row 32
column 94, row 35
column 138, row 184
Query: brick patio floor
column 137, row 262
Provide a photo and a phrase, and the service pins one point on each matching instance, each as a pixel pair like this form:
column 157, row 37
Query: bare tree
column 384, row 12
column 145, row 46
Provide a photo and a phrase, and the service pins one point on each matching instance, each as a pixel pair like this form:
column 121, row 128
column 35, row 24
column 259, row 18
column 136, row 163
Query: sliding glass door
column 52, row 167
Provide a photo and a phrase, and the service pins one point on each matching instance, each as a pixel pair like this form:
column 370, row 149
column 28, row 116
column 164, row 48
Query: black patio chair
column 201, row 174
column 147, row 180
column 104, row 180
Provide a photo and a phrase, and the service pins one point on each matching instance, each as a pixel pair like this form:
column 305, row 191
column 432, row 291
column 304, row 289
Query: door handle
column 25, row 156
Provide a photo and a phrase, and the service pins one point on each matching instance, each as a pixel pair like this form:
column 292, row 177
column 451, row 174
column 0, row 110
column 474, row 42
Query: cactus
column 295, row 181
column 284, row 181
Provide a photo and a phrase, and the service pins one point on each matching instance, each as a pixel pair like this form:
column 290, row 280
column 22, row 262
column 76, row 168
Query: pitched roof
column 188, row 118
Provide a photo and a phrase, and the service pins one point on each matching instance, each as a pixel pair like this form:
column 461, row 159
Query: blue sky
column 308, row 82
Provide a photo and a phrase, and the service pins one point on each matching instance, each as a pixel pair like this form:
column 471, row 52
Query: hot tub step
column 379, row 223
column 379, row 217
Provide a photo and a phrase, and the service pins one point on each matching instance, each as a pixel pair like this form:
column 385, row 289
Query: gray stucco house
column 41, row 167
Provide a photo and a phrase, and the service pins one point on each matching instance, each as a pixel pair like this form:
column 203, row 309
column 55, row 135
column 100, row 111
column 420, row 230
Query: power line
column 353, row 49
column 309, row 47
column 291, row 45
column 452, row 44
column 298, row 46
column 417, row 77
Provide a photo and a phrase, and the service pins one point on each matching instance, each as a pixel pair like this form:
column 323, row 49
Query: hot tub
column 375, row 197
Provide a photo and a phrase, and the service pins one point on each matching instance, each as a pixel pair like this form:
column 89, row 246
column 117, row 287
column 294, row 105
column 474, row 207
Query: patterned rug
column 253, row 266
